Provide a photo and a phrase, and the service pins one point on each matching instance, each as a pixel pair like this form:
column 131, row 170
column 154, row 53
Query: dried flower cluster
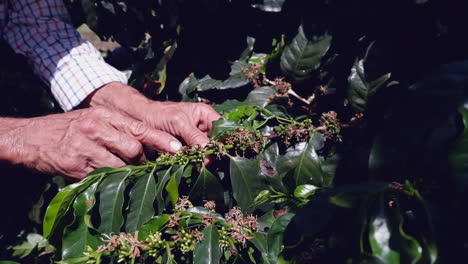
column 177, row 236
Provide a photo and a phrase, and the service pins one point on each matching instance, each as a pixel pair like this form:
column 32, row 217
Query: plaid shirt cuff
column 79, row 74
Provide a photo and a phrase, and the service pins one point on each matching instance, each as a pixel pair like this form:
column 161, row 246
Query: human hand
column 189, row 122
column 75, row 143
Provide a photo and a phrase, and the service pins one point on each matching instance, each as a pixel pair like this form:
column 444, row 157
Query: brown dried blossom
column 183, row 203
column 114, row 242
column 238, row 235
column 208, row 220
column 281, row 86
column 210, row 205
column 253, row 74
column 197, row 235
column 233, row 216
column 250, row 222
column 173, row 220
column 331, row 125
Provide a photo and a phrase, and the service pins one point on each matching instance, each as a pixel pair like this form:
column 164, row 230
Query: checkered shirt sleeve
column 72, row 67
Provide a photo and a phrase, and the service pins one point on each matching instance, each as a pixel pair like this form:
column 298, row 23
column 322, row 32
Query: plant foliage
column 342, row 139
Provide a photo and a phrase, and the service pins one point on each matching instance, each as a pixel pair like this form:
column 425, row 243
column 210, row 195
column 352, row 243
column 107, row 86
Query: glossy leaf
column 207, row 187
column 111, row 197
column 61, row 203
column 266, row 221
column 257, row 97
column 140, row 208
column 80, row 235
column 303, row 160
column 246, row 181
column 352, row 195
column 303, row 55
column 208, row 251
column 222, row 125
column 260, row 242
column 459, row 156
column 270, row 169
column 172, row 186
column 163, row 178
column 361, row 89
column 275, row 236
column 203, row 211
column 304, row 191
column 387, row 239
column 155, row 224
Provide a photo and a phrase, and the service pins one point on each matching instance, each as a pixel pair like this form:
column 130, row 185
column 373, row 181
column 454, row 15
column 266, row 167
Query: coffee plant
column 342, row 137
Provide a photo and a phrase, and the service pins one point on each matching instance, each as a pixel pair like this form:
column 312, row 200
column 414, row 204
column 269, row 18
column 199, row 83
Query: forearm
column 11, row 148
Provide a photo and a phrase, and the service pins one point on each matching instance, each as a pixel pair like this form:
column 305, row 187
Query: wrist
column 12, row 147
column 120, row 97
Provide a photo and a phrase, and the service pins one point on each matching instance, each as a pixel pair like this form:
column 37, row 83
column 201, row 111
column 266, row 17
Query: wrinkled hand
column 75, row 143
column 189, row 121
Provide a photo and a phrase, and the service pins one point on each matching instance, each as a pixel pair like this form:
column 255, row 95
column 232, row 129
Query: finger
column 100, row 157
column 146, row 134
column 192, row 135
column 207, row 116
column 125, row 146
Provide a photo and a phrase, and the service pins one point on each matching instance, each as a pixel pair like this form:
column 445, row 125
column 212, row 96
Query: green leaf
column 303, row 55
column 187, row 87
column 388, row 241
column 155, row 224
column 352, row 195
column 142, row 197
column 8, row 262
column 275, row 236
column 79, row 235
column 361, row 90
column 222, row 125
column 269, row 167
column 266, row 221
column 304, row 191
column 111, row 201
column 257, row 97
column 61, row 202
column 163, row 178
column 248, row 50
column 303, row 159
column 203, row 211
column 207, row 187
column 308, row 169
column 246, row 181
column 208, row 250
column 260, row 242
column 25, row 249
column 459, row 157
column 172, row 186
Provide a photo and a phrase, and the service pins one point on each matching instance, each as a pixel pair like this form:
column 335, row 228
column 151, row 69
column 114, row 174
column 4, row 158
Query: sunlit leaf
column 388, row 241
column 111, row 201
column 80, row 235
column 142, row 197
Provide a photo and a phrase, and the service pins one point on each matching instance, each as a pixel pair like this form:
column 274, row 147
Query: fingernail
column 175, row 146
